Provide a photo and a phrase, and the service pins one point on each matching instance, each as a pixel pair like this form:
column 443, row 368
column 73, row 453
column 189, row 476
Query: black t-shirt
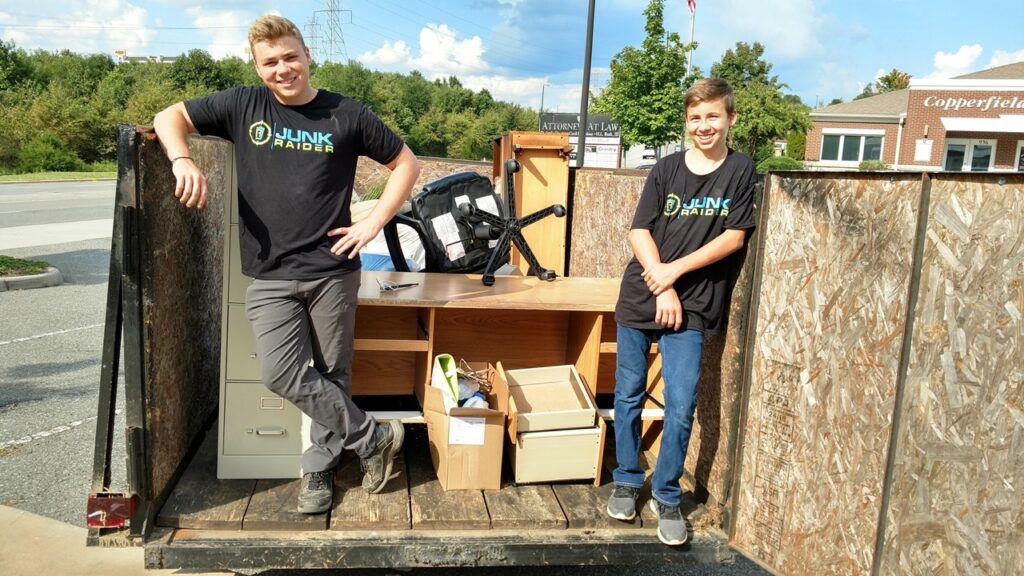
column 295, row 166
column 684, row 211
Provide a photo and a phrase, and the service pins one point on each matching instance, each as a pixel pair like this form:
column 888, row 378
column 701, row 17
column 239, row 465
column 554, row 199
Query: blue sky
column 522, row 49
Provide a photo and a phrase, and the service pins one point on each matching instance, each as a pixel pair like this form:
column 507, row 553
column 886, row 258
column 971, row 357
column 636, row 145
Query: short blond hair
column 272, row 27
column 709, row 90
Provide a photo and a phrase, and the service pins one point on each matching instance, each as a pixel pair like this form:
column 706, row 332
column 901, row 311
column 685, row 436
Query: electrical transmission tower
column 332, row 48
column 312, row 36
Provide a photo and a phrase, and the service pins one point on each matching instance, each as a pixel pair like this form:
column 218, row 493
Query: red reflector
column 109, row 510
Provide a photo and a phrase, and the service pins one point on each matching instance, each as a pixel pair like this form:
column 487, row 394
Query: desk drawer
column 259, row 422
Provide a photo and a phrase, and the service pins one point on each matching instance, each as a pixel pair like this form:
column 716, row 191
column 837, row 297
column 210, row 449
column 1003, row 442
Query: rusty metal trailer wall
column 180, row 261
column 884, row 432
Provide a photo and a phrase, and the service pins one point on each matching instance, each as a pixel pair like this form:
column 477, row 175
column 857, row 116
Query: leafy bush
column 872, row 165
column 45, row 153
column 775, row 163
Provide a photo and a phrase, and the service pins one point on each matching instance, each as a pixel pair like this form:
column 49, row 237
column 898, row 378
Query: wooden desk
column 521, row 321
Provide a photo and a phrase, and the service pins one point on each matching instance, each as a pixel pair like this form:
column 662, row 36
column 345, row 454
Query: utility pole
column 581, row 140
column 540, row 120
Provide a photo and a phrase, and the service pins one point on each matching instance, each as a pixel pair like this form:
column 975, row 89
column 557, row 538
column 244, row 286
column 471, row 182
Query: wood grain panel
column 432, row 507
column 957, row 503
column 274, row 506
column 516, row 338
column 837, row 261
column 356, row 509
column 201, row 501
column 383, row 373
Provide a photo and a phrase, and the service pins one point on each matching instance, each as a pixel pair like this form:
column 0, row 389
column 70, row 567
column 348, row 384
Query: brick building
column 973, row 122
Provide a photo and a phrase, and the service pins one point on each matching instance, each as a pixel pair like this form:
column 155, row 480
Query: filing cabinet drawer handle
column 271, row 431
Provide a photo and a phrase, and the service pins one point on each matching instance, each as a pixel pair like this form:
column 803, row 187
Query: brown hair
column 708, row 90
column 272, row 27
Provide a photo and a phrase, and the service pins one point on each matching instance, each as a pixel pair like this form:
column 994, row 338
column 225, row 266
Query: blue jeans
column 681, row 354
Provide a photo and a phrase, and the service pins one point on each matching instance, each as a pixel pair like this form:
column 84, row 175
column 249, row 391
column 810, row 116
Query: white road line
column 60, row 233
column 46, row 433
column 58, row 332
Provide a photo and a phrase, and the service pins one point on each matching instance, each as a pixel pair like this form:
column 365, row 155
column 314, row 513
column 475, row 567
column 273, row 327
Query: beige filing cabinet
column 260, row 434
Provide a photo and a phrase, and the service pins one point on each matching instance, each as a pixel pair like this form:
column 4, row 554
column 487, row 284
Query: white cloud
column 225, row 29
column 960, row 62
column 392, row 57
column 441, row 54
column 788, row 29
column 83, row 27
column 1001, row 58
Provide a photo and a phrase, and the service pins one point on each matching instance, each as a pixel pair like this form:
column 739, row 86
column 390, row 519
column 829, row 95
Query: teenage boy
column 295, row 151
column 694, row 211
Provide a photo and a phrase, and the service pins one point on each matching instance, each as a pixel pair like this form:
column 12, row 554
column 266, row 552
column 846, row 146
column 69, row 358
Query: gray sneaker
column 316, row 492
column 622, row 502
column 672, row 529
column 387, row 442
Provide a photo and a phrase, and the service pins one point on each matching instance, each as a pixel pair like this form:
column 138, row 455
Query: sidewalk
column 31, row 545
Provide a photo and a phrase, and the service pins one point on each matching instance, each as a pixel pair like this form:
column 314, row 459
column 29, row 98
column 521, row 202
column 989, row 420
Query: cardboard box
column 549, row 398
column 466, row 443
column 554, row 455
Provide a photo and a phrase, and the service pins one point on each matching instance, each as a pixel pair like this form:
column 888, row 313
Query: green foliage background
column 59, row 111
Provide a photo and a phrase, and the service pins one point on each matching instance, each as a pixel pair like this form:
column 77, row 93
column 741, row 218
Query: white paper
column 487, row 204
column 446, row 229
column 467, row 430
column 460, row 200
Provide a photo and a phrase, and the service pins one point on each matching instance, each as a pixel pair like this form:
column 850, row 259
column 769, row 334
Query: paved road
column 50, row 349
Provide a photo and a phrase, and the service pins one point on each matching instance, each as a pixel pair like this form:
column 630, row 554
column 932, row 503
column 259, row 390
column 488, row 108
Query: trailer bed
column 249, row 524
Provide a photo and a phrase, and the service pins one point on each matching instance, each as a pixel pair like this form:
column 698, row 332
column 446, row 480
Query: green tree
column 237, row 72
column 645, row 91
column 197, row 68
column 743, row 66
column 867, row 92
column 892, row 81
column 796, row 145
column 352, row 80
column 765, row 113
column 46, row 153
column 14, row 66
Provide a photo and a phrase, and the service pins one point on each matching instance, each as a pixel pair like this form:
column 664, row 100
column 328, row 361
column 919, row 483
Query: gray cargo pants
column 299, row 321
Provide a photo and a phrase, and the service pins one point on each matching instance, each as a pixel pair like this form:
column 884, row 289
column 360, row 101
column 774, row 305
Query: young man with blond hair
column 296, row 149
column 695, row 210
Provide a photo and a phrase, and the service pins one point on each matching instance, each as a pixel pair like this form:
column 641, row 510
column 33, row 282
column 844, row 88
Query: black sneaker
column 316, row 492
column 387, row 442
column 622, row 502
column 672, row 529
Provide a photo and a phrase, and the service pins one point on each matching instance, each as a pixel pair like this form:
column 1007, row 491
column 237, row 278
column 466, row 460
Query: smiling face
column 283, row 65
column 708, row 123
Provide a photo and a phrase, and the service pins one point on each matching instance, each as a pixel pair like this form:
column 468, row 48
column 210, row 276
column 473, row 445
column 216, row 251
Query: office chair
column 465, row 229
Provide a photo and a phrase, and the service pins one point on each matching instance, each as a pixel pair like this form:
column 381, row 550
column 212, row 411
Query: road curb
column 51, row 277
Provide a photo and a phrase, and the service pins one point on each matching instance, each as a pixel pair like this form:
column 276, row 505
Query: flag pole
column 693, row 18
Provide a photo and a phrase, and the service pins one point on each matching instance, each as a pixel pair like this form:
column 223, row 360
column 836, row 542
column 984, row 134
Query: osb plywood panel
column 957, row 500
column 835, row 277
column 709, row 459
column 181, row 265
column 603, row 206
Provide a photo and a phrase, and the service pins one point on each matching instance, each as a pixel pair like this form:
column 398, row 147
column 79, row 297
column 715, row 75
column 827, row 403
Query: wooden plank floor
column 412, row 500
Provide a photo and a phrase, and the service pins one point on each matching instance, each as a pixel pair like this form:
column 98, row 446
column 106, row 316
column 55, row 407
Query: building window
column 851, row 148
column 1019, row 156
column 969, row 155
